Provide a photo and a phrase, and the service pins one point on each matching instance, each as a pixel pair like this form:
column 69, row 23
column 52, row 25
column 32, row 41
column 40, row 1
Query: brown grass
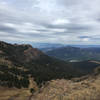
column 15, row 94
column 88, row 89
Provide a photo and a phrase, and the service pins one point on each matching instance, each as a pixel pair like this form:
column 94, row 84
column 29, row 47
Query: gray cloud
column 70, row 21
column 7, row 29
column 85, row 37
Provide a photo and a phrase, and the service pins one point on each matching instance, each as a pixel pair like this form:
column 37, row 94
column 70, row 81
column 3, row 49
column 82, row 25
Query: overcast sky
column 53, row 21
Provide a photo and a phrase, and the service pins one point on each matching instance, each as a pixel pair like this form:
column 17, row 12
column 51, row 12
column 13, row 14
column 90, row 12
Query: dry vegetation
column 88, row 89
column 85, row 88
column 14, row 94
column 5, row 62
column 17, row 94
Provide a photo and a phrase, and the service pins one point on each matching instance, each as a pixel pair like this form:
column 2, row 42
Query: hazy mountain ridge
column 74, row 53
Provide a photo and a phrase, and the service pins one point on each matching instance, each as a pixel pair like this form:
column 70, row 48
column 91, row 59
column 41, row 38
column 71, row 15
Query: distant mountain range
column 50, row 46
column 56, row 45
column 85, row 46
column 46, row 45
column 70, row 53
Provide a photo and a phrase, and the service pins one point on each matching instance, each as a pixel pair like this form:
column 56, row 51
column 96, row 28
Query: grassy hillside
column 84, row 88
column 19, row 62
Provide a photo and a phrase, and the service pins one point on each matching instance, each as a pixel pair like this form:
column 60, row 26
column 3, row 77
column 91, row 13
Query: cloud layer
column 54, row 21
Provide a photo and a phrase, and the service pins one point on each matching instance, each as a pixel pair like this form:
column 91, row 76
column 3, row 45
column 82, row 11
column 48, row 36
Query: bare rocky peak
column 22, row 52
column 32, row 53
column 23, row 45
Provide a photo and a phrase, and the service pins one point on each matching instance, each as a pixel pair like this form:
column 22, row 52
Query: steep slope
column 20, row 53
column 84, row 88
column 18, row 62
column 75, row 54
